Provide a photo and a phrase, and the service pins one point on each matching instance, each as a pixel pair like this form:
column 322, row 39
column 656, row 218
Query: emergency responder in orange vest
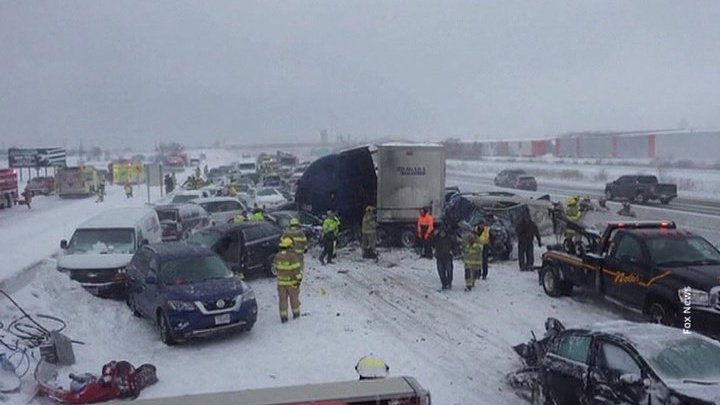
column 298, row 238
column 425, row 226
column 289, row 276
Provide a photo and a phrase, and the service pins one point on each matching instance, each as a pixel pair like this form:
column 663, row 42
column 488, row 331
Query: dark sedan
column 627, row 362
column 188, row 292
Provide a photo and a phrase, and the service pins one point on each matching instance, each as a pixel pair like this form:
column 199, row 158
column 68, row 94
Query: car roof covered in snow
column 648, row 339
column 124, row 217
column 213, row 199
column 177, row 250
column 659, row 232
column 241, row 225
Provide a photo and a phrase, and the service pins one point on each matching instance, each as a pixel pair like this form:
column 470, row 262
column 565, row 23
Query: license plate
column 222, row 319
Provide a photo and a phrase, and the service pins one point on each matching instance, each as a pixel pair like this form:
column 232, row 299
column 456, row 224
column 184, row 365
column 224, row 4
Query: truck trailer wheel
column 382, row 238
column 407, row 237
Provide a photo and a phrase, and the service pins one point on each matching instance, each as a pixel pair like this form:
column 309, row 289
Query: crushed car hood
column 87, row 261
column 709, row 393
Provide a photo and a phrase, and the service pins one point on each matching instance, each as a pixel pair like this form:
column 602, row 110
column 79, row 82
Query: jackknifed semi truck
column 399, row 179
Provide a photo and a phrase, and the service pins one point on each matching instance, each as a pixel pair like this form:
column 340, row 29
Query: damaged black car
column 618, row 362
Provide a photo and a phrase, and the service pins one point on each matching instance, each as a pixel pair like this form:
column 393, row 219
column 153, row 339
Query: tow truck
column 669, row 275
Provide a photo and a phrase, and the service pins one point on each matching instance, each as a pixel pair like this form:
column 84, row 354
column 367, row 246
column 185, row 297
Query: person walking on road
column 472, row 258
column 28, row 194
column 483, row 230
column 425, row 227
column 330, row 229
column 289, row 277
column 444, row 244
column 369, row 232
column 128, row 190
column 527, row 230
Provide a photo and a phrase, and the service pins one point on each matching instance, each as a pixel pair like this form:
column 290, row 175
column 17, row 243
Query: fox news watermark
column 686, row 300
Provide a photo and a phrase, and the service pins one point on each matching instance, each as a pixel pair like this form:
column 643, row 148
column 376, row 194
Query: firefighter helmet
column 285, row 243
column 294, row 222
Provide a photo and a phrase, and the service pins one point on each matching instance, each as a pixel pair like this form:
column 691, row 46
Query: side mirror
column 593, row 259
column 63, row 244
column 151, row 279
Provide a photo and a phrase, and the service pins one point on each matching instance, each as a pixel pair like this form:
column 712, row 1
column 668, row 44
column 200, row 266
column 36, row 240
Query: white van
column 102, row 246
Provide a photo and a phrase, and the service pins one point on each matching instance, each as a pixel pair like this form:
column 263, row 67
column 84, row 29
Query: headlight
column 249, row 295
column 181, row 305
column 693, row 297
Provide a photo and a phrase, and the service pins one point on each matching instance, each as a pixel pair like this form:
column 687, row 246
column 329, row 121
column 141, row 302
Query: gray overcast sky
column 132, row 72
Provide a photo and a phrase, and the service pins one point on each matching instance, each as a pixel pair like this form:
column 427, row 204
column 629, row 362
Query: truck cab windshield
column 675, row 251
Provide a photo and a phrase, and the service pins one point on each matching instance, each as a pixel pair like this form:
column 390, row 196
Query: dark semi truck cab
column 670, row 275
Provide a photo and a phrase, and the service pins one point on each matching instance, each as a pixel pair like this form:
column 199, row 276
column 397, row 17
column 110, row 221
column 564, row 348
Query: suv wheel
column 165, row 331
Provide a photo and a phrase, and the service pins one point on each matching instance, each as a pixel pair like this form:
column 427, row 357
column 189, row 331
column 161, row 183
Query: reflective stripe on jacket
column 288, row 266
column 299, row 239
column 472, row 251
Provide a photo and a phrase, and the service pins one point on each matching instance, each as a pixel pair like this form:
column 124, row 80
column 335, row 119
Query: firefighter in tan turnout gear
column 298, row 238
column 289, row 276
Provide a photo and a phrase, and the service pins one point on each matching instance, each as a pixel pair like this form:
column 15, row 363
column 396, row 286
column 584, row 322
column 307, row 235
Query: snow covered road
column 457, row 344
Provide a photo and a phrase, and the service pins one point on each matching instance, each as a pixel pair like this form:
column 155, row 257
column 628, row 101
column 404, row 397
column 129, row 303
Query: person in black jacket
column 444, row 242
column 526, row 230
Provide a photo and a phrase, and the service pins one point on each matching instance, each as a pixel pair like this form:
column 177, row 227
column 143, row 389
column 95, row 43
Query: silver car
column 221, row 209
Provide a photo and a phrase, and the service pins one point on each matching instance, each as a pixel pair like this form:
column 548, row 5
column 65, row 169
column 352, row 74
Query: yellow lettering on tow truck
column 622, row 278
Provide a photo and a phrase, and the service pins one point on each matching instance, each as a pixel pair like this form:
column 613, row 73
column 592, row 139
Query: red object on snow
column 119, row 379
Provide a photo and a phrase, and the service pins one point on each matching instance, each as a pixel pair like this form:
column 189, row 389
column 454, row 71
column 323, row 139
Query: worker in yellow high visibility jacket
column 289, row 276
column 472, row 259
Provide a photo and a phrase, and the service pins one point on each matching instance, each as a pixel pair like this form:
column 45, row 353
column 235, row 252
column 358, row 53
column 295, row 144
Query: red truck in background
column 8, row 187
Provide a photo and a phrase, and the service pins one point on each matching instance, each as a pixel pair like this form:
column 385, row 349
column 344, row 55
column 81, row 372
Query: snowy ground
column 457, row 344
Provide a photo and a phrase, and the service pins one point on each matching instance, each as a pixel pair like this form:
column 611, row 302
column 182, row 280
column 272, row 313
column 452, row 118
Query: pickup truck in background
column 669, row 275
column 640, row 189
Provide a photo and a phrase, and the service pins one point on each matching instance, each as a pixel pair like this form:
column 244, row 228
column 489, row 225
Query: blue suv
column 188, row 291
